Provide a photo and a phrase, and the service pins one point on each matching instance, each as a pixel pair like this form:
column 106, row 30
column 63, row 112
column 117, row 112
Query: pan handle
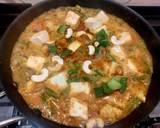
column 11, row 121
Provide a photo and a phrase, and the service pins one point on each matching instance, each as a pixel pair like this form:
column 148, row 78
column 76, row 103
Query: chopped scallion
column 66, row 91
column 77, row 65
column 114, row 84
column 118, row 83
column 97, row 50
column 98, row 72
column 72, row 72
column 62, row 28
column 107, row 90
column 86, row 78
column 52, row 49
column 99, row 91
column 123, row 82
column 102, row 38
column 66, row 53
column 51, row 93
column 73, row 80
column 44, row 97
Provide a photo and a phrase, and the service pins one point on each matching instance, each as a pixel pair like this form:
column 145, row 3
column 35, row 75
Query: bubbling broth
column 81, row 67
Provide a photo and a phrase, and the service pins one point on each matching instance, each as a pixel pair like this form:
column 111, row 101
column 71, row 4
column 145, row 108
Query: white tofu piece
column 112, row 67
column 80, row 87
column 59, row 81
column 92, row 24
column 40, row 37
column 35, row 62
column 131, row 66
column 74, row 45
column 102, row 16
column 72, row 18
column 115, row 41
column 95, row 123
column 78, row 109
column 118, row 52
column 125, row 37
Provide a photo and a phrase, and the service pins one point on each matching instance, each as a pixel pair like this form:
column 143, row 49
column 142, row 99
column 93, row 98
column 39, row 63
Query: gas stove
column 8, row 12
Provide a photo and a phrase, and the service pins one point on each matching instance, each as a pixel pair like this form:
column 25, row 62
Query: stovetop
column 8, row 12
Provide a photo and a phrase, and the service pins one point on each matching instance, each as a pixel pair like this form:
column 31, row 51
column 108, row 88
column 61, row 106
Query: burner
column 8, row 12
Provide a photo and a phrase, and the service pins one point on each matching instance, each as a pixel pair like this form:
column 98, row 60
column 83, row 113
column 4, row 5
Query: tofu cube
column 95, row 123
column 118, row 52
column 40, row 37
column 110, row 112
column 78, row 109
column 35, row 62
column 102, row 16
column 80, row 87
column 74, row 46
column 92, row 24
column 58, row 82
column 131, row 66
column 72, row 19
column 29, row 87
column 125, row 37
column 113, row 67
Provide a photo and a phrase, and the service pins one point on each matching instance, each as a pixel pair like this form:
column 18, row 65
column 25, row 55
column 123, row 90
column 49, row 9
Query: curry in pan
column 81, row 67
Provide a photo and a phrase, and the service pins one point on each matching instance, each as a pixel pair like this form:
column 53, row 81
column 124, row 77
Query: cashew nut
column 58, row 62
column 95, row 122
column 123, row 38
column 85, row 67
column 50, row 42
column 91, row 49
column 41, row 77
column 69, row 33
column 96, row 44
column 79, row 33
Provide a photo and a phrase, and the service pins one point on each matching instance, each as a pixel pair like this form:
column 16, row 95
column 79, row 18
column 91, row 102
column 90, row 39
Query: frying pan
column 131, row 17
